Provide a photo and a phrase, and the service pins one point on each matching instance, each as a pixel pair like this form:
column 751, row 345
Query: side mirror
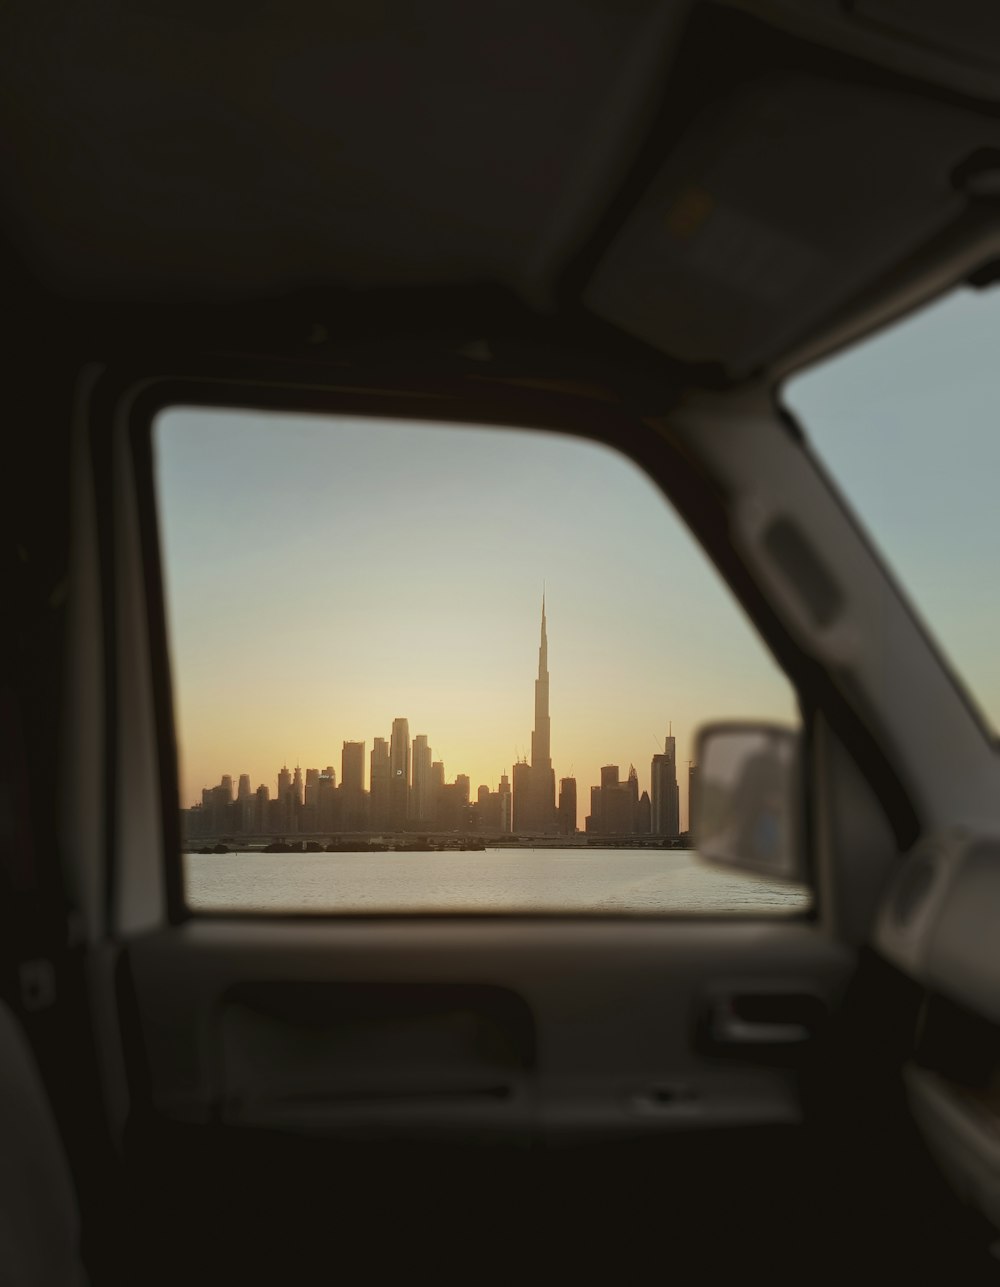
column 746, row 809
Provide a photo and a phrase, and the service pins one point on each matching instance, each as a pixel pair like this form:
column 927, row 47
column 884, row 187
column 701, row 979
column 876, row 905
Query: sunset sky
column 325, row 575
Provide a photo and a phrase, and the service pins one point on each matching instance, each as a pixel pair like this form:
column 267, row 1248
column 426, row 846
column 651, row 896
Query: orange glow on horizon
column 349, row 572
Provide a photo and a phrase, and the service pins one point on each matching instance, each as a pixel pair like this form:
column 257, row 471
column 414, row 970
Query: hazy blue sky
column 907, row 422
column 326, row 575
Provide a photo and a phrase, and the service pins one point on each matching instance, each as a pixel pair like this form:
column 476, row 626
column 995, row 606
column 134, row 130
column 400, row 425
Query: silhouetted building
column 352, row 767
column 522, row 789
column 216, row 817
column 297, row 787
column 282, row 813
column 692, row 795
column 193, row 825
column 535, row 790
column 453, row 805
column 491, row 812
column 327, row 818
column 312, row 777
column 593, row 819
column 598, row 794
column 437, row 788
column 567, row 806
column 620, row 805
column 422, row 787
column 614, row 805
column 486, row 810
column 245, row 810
column 664, row 795
column 506, row 805
column 644, row 815
column 262, row 820
column 379, row 785
column 399, row 774
column 352, row 786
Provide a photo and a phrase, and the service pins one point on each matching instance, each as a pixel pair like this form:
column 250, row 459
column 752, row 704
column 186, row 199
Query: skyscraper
column 262, row 817
column 506, row 812
column 643, row 815
column 594, row 819
column 421, row 793
column 399, row 774
column 352, row 767
column 521, row 798
column 244, row 798
column 379, row 784
column 535, row 790
column 692, row 796
column 352, row 785
column 665, row 800
column 541, row 734
column 285, row 810
column 326, row 801
column 614, row 805
column 567, row 806
column 437, row 788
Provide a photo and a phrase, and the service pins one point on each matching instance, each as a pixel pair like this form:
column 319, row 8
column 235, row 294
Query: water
column 651, row 881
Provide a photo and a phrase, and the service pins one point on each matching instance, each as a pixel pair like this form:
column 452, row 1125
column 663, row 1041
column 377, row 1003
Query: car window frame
column 546, row 406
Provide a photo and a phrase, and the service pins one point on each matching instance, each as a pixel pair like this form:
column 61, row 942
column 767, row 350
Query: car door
column 888, row 399
column 468, row 1089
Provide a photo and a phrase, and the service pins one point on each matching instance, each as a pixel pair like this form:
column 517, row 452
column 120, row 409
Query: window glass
column 907, row 423
column 438, row 667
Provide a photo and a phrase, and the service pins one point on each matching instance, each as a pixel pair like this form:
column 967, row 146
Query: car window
column 438, row 667
column 907, row 424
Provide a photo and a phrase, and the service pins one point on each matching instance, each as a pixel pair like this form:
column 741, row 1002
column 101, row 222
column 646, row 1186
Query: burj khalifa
column 535, row 783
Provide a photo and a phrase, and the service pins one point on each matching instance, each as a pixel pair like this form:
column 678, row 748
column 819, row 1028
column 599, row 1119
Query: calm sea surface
column 531, row 880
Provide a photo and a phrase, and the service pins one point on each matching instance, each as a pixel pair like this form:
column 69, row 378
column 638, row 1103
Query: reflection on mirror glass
column 746, row 805
column 441, row 668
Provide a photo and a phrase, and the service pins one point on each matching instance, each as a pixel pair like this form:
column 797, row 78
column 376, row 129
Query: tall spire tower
column 535, row 783
column 541, row 747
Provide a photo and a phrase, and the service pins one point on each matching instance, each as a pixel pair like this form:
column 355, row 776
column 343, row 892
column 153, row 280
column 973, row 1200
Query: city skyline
column 400, row 757
column 302, row 778
column 405, row 786
column 326, row 575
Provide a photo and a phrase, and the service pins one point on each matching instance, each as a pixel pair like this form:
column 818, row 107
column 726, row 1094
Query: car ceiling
column 716, row 183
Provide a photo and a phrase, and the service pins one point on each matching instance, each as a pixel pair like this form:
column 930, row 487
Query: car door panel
column 569, row 1024
column 499, row 1063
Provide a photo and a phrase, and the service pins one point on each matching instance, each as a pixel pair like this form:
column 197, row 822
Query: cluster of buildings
column 617, row 808
column 407, row 791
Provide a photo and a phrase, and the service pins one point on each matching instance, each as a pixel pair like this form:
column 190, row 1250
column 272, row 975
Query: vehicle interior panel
column 623, row 222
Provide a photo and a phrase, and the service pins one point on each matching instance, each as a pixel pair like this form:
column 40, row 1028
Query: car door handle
column 763, row 1019
column 731, row 1031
